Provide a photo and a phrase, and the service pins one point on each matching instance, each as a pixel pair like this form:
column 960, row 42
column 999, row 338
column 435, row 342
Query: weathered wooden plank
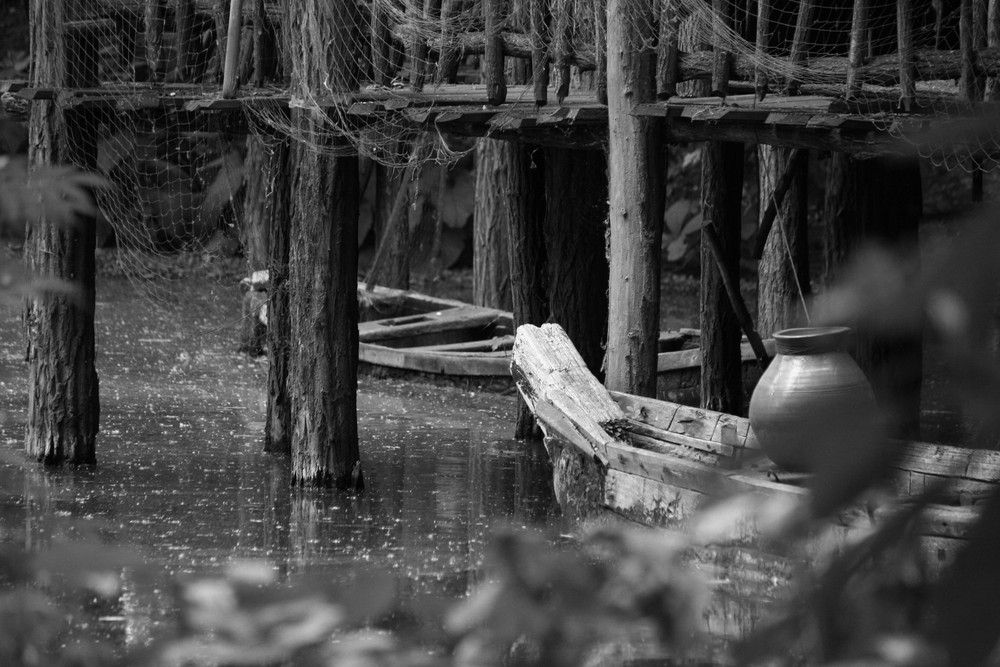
column 456, row 364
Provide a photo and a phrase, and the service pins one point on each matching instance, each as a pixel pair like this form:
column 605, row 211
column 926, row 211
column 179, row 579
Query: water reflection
column 181, row 479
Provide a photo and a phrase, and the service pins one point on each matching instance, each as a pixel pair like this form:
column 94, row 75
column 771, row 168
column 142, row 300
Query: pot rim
column 811, row 340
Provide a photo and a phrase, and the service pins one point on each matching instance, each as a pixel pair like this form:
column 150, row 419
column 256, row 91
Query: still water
column 181, row 479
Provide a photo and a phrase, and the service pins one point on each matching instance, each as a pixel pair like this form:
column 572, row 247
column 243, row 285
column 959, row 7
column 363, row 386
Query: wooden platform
column 862, row 127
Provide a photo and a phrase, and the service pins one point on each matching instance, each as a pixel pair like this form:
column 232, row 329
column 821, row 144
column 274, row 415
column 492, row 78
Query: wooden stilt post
column 448, row 61
column 904, row 29
column 276, row 208
column 491, row 279
column 667, row 52
column 783, row 270
column 799, row 53
column 229, row 76
column 636, row 168
column 858, row 46
column 576, row 209
column 540, row 17
column 154, row 15
column 323, row 262
column 993, row 41
column 63, row 401
column 524, row 198
column 493, row 60
column 184, row 28
column 721, row 201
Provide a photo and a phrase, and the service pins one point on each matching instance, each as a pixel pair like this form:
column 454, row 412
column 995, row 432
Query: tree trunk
column 323, row 312
column 323, row 258
column 491, row 283
column 636, row 196
column 523, row 196
column 273, row 210
column 63, row 402
column 576, row 198
column 721, row 199
column 783, row 270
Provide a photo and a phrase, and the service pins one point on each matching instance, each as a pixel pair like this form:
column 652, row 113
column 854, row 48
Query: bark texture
column 323, row 258
column 275, row 209
column 523, row 195
column 576, row 196
column 722, row 192
column 783, row 269
column 491, row 280
column 636, row 166
column 63, row 402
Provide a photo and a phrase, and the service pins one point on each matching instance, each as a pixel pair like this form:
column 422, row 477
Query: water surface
column 181, row 478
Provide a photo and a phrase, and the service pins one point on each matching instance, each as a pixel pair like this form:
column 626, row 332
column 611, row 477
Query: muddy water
column 182, row 481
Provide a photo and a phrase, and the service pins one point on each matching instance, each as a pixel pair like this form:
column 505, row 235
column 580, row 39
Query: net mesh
column 179, row 172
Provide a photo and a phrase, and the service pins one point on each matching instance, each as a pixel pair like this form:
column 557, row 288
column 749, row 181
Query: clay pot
column 811, row 399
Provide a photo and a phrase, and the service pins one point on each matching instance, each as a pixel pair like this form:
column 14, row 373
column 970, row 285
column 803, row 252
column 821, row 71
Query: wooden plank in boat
column 657, row 439
column 481, row 364
column 414, row 325
column 645, row 410
column 694, row 422
column 500, row 344
column 944, row 460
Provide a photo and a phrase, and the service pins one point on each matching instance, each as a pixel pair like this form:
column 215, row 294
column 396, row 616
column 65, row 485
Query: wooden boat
column 660, row 463
column 402, row 332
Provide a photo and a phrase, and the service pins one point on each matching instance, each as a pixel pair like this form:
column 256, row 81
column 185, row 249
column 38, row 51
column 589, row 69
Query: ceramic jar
column 811, row 397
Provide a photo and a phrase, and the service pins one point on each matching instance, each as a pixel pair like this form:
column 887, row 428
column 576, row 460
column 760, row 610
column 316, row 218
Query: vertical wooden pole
column 220, row 11
column 576, row 199
column 381, row 46
column 667, row 51
column 993, row 41
column 562, row 45
column 601, row 52
column 491, row 279
column 783, row 271
column 229, row 77
column 722, row 190
column 448, row 61
column 493, row 59
column 276, row 208
column 323, row 257
column 259, row 22
column 63, row 402
column 523, row 194
column 636, row 167
column 761, row 46
column 856, row 52
column 904, row 29
column 970, row 82
column 184, row 20
column 155, row 11
column 800, row 40
column 540, row 17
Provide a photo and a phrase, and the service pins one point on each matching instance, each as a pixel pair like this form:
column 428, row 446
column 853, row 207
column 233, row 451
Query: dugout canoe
column 658, row 462
column 404, row 332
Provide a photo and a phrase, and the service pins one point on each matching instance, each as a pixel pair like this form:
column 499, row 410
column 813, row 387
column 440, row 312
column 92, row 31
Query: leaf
column 676, row 214
column 677, row 249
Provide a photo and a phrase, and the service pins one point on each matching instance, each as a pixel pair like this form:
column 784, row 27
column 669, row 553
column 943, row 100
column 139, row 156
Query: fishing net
column 842, row 57
column 148, row 74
